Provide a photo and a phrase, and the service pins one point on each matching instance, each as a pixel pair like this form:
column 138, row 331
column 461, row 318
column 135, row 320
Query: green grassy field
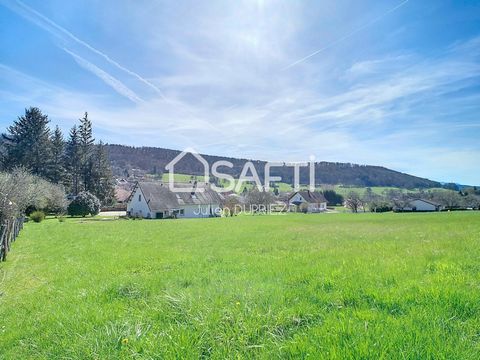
column 376, row 286
column 183, row 178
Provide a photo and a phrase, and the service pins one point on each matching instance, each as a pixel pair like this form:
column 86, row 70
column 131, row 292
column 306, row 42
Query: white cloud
column 220, row 68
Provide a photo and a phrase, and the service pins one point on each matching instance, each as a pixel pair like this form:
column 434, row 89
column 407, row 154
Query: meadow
column 337, row 286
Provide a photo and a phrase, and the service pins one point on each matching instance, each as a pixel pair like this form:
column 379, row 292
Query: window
column 182, row 212
column 140, row 197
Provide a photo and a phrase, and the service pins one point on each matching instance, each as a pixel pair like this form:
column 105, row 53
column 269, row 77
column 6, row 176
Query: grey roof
column 310, row 196
column 159, row 196
column 431, row 202
column 284, row 196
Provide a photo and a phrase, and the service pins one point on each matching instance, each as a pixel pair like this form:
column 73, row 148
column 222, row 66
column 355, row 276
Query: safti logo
column 248, row 175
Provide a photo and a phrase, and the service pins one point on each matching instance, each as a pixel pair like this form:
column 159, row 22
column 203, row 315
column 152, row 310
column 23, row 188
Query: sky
column 393, row 83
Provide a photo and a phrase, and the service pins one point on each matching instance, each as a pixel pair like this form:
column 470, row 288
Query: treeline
column 77, row 163
column 127, row 160
column 468, row 198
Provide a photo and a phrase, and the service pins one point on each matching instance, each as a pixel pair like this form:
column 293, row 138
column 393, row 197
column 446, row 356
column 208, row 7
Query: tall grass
column 295, row 286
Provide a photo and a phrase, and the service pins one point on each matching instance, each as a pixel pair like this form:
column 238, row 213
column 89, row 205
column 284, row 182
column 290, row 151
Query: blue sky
column 391, row 83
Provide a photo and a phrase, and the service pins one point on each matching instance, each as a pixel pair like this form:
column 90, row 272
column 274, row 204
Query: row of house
column 154, row 200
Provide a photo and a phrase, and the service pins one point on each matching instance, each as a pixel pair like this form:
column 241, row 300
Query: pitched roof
column 431, row 202
column 121, row 194
column 160, row 197
column 310, row 196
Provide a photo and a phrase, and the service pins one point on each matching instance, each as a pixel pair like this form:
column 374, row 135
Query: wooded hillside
column 125, row 159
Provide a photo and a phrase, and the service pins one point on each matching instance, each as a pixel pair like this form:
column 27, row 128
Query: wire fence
column 9, row 231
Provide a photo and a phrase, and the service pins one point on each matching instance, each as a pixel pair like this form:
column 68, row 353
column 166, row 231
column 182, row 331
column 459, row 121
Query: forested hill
column 126, row 159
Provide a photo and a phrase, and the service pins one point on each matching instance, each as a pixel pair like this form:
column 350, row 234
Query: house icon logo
column 170, row 167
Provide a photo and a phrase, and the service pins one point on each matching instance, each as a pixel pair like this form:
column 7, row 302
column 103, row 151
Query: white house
column 421, row 205
column 154, row 200
column 424, row 205
column 315, row 200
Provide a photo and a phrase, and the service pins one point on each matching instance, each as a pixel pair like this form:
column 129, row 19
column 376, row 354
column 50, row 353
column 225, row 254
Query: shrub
column 84, row 204
column 37, row 216
column 303, row 208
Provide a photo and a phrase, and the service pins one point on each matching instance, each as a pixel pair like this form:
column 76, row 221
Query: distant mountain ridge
column 152, row 160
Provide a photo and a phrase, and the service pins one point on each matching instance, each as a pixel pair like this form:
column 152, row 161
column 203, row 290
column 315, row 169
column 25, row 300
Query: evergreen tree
column 87, row 141
column 72, row 161
column 57, row 165
column 3, row 151
column 30, row 143
column 102, row 180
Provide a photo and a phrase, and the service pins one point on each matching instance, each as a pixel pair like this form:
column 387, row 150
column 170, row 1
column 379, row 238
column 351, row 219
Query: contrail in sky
column 343, row 38
column 53, row 28
column 56, row 30
column 114, row 83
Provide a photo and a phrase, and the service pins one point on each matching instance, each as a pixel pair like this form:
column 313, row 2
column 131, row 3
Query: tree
column 21, row 191
column 72, row 161
column 57, row 160
column 375, row 202
column 56, row 199
column 232, row 205
column 29, row 144
column 353, row 201
column 84, row 204
column 303, row 208
column 101, row 180
column 259, row 201
column 451, row 199
column 471, row 201
column 86, row 149
column 3, row 151
column 451, row 186
column 398, row 199
column 333, row 198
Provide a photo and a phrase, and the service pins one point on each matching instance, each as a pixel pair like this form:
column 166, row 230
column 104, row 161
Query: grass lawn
column 183, row 178
column 294, row 286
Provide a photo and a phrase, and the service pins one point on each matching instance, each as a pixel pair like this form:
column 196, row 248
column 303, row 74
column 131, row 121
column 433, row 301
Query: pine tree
column 86, row 141
column 102, row 180
column 57, row 163
column 30, row 143
column 72, row 161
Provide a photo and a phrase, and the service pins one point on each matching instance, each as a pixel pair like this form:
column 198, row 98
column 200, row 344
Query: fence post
column 9, row 231
column 3, row 239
